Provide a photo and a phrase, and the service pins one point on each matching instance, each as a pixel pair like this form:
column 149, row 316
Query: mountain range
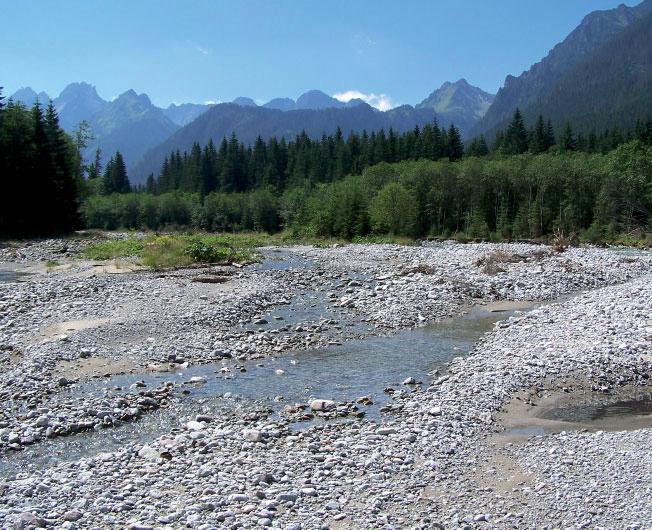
column 145, row 133
column 316, row 113
column 459, row 103
column 130, row 123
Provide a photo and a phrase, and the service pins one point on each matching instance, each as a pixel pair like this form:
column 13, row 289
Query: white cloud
column 202, row 50
column 212, row 102
column 379, row 101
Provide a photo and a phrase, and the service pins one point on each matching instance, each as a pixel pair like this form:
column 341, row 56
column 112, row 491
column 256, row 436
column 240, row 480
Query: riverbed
column 199, row 413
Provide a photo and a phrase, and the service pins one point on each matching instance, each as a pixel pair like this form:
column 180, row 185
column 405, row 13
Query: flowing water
column 339, row 372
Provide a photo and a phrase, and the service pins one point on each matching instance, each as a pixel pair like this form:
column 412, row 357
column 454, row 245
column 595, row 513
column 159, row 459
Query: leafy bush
column 171, row 251
column 202, row 251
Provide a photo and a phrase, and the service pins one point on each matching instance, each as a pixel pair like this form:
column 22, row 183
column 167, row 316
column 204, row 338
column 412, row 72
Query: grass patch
column 643, row 241
column 385, row 240
column 182, row 250
column 115, row 248
column 50, row 265
column 165, row 252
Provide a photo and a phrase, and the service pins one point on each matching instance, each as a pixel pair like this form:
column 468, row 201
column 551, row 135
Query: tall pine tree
column 515, row 141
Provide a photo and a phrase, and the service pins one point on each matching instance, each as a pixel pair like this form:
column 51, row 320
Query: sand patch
column 70, row 326
column 55, row 331
column 83, row 267
column 537, row 412
column 115, row 267
column 502, row 473
column 94, row 367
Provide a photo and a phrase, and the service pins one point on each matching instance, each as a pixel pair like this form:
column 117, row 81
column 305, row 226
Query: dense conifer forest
column 41, row 172
column 525, row 184
column 522, row 184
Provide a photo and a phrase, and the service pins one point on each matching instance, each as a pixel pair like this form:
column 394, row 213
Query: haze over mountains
column 600, row 75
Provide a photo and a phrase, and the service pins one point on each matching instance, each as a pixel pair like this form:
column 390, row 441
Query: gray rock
column 289, row 496
column 252, row 435
column 28, row 520
column 385, row 431
column 322, row 405
column 72, row 515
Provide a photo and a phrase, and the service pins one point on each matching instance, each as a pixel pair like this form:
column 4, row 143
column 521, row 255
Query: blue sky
column 213, row 50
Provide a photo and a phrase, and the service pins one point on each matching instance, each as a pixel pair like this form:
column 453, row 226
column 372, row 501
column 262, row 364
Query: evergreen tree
column 539, row 137
column 208, row 169
column 455, row 145
column 439, row 141
column 95, row 168
column 478, row 146
column 550, row 136
column 115, row 176
column 567, row 140
column 150, row 184
column 64, row 174
column 37, row 164
column 515, row 141
column 498, row 141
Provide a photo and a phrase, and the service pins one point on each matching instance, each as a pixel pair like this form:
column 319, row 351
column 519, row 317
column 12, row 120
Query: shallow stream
column 341, row 372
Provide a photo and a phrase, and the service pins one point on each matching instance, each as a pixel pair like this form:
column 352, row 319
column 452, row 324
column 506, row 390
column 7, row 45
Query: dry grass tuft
column 491, row 263
column 560, row 241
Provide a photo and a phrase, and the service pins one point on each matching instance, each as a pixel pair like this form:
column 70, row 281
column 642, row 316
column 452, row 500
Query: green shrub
column 115, row 248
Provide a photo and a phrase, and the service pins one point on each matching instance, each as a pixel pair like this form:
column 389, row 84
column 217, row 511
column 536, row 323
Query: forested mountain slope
column 613, row 87
column 595, row 30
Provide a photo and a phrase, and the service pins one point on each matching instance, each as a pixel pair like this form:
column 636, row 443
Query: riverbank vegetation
column 179, row 250
column 599, row 197
column 528, row 185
